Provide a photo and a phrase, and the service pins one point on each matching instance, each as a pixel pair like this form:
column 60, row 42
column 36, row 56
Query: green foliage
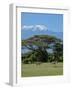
column 50, row 57
column 39, row 41
column 41, row 55
column 39, row 44
column 35, row 56
column 58, row 51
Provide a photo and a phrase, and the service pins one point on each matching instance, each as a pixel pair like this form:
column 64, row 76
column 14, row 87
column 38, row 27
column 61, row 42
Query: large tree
column 40, row 44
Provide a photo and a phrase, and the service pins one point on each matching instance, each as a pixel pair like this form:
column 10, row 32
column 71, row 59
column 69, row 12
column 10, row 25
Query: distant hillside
column 57, row 34
column 29, row 33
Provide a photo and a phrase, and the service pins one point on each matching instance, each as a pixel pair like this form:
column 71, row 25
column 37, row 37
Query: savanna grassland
column 44, row 69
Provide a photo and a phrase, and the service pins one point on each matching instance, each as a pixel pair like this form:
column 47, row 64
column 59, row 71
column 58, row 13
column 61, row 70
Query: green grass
column 44, row 69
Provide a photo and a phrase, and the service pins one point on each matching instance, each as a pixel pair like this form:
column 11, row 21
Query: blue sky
column 40, row 23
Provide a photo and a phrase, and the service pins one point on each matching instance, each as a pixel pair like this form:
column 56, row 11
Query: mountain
column 57, row 34
column 29, row 33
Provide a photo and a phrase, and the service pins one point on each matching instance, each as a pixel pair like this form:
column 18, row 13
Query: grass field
column 44, row 69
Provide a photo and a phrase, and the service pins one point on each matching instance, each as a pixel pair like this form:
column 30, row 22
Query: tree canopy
column 39, row 41
column 39, row 44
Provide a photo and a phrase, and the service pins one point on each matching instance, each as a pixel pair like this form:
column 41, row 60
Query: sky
column 40, row 23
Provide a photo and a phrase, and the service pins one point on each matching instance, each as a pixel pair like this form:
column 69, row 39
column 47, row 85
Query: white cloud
column 27, row 27
column 35, row 27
